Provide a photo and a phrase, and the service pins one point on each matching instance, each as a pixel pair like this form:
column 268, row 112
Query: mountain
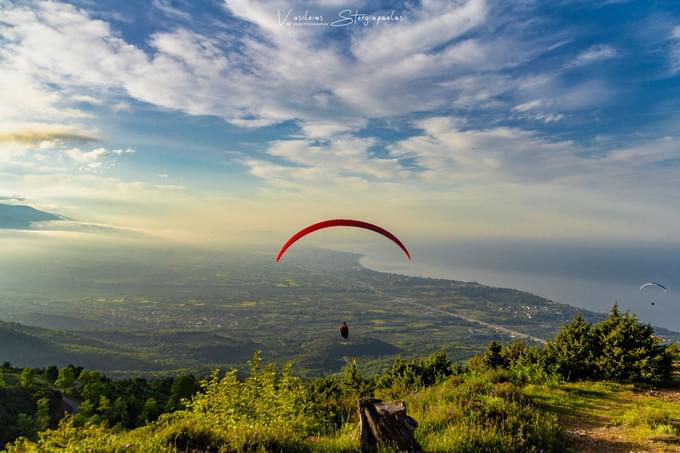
column 21, row 217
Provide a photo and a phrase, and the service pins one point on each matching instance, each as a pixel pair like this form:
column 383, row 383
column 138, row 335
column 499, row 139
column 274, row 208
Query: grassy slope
column 606, row 417
column 482, row 412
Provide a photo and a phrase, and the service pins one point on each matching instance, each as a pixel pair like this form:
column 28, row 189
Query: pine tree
column 574, row 350
column 630, row 350
column 27, row 377
column 492, row 356
column 42, row 414
column 66, row 379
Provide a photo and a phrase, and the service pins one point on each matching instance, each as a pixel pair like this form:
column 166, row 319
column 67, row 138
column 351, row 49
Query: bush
column 416, row 374
column 620, row 349
column 574, row 351
column 630, row 352
column 493, row 357
column 481, row 412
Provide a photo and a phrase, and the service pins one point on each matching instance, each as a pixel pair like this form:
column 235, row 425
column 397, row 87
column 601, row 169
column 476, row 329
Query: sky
column 235, row 121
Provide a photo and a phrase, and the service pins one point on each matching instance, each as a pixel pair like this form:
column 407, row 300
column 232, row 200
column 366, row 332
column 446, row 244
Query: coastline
column 585, row 295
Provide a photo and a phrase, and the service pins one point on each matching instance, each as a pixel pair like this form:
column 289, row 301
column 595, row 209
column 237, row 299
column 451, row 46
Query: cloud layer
column 475, row 105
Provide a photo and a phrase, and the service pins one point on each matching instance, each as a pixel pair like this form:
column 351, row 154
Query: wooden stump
column 386, row 424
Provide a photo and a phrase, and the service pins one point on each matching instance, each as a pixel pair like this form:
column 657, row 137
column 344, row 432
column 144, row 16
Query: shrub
column 630, row 352
column 493, row 357
column 416, row 374
column 574, row 351
column 620, row 349
column 481, row 412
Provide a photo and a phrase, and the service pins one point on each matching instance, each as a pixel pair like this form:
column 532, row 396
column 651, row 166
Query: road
column 488, row 325
column 510, row 332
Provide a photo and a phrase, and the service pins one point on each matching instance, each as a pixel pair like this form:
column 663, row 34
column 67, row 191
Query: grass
column 604, row 416
column 475, row 411
column 269, row 411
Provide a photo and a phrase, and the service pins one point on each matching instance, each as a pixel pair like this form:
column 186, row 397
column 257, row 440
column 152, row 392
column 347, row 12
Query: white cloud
column 316, row 129
column 267, row 73
column 531, row 105
column 85, row 156
column 675, row 50
column 121, row 107
column 166, row 8
column 346, row 161
column 434, row 24
column 120, row 152
column 442, row 58
column 596, row 53
column 472, row 177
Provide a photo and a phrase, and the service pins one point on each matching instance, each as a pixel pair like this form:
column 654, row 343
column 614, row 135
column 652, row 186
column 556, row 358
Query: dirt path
column 593, row 428
column 601, row 436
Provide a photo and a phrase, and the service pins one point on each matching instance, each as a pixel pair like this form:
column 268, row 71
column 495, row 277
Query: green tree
column 149, row 411
column 492, row 356
column 630, row 351
column 104, row 406
column 85, row 413
column 119, row 412
column 42, row 414
column 27, row 377
column 417, row 373
column 66, row 379
column 2, row 379
column 25, row 425
column 91, row 384
column 183, row 388
column 574, row 351
column 352, row 380
column 51, row 373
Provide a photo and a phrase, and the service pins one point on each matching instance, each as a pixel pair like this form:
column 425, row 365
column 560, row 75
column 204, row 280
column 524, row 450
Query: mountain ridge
column 22, row 217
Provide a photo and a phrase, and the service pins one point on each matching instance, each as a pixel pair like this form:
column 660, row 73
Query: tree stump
column 386, row 424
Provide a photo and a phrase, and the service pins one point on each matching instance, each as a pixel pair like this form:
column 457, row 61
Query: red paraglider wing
column 336, row 223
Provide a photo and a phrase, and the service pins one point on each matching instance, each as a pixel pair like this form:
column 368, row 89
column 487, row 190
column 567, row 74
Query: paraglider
column 344, row 223
column 344, row 330
column 659, row 285
column 645, row 285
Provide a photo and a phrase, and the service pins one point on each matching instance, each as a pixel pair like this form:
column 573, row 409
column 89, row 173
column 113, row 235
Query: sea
column 588, row 274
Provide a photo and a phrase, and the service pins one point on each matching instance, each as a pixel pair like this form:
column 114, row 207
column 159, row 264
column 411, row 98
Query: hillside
column 111, row 351
column 603, row 387
column 482, row 411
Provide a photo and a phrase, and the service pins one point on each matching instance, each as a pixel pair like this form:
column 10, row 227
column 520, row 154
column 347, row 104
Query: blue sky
column 461, row 119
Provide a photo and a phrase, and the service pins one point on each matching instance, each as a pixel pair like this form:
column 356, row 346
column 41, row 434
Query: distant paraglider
column 341, row 223
column 344, row 330
column 645, row 285
column 659, row 285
